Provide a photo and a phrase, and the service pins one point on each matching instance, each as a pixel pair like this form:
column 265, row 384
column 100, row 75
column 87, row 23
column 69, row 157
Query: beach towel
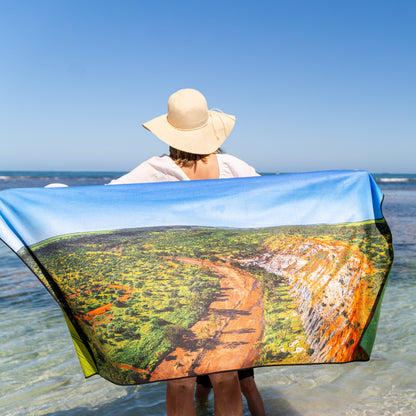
column 160, row 281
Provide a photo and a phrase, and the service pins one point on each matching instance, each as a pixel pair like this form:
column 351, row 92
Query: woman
column 194, row 135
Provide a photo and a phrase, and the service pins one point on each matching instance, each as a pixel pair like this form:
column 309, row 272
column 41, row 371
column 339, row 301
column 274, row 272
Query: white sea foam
column 393, row 179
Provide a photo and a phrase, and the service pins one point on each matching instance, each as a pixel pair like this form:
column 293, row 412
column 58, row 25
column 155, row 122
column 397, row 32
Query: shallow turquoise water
column 40, row 373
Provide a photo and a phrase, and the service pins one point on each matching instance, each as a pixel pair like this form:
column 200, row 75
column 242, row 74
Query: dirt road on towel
column 224, row 338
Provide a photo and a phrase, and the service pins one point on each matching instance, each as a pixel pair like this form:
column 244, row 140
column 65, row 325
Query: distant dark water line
column 53, row 173
column 23, row 178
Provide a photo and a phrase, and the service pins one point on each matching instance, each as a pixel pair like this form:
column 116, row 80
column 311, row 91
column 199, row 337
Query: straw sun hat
column 189, row 125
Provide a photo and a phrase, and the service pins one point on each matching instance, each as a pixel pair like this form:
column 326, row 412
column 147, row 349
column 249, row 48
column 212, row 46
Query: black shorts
column 206, row 382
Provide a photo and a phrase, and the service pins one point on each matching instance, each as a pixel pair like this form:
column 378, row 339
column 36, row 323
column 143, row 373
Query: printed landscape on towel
column 166, row 302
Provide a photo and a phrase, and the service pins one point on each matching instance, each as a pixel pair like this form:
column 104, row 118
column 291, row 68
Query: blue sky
column 314, row 84
column 35, row 214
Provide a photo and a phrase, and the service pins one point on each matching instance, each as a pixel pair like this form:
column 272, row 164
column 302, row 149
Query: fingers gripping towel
column 166, row 280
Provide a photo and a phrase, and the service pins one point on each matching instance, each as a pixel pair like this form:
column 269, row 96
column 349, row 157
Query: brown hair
column 185, row 159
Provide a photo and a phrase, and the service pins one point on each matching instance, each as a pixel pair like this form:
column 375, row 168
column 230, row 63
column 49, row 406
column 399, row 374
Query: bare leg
column 252, row 395
column 180, row 397
column 201, row 394
column 227, row 395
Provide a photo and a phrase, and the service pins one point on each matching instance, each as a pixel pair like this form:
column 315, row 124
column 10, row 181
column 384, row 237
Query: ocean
column 40, row 373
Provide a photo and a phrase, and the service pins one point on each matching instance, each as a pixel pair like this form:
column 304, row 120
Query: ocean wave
column 71, row 179
column 22, row 178
column 393, row 179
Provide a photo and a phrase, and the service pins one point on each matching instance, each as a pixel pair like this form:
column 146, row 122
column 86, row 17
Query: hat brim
column 204, row 140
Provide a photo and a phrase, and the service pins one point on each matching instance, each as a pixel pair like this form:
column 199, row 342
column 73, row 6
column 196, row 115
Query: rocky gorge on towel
column 167, row 280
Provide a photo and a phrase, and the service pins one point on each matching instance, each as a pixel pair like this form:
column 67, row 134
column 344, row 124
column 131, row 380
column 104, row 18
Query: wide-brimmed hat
column 189, row 125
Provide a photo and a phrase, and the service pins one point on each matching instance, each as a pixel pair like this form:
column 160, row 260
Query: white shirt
column 164, row 169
